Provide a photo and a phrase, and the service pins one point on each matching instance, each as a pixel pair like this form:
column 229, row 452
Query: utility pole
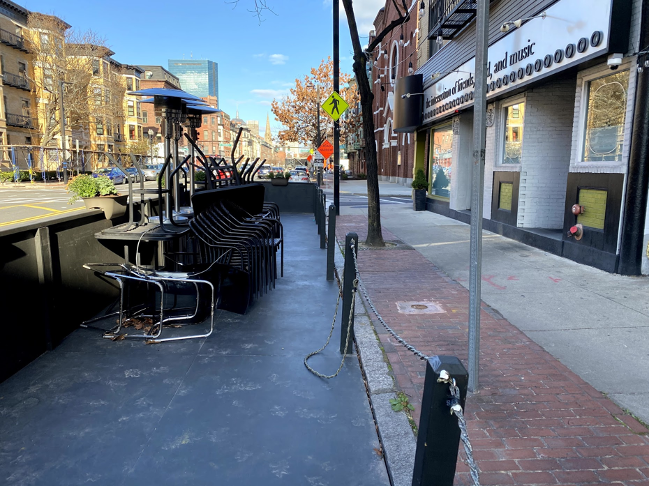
column 63, row 141
column 476, row 228
column 336, row 89
column 318, row 115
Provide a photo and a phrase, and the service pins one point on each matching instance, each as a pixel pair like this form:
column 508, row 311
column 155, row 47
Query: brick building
column 560, row 110
column 155, row 77
column 392, row 60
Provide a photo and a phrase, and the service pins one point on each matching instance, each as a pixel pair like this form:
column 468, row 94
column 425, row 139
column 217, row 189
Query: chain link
column 457, row 409
column 347, row 338
column 394, row 334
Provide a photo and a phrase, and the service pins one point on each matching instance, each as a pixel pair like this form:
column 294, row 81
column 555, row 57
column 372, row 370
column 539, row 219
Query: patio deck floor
column 237, row 408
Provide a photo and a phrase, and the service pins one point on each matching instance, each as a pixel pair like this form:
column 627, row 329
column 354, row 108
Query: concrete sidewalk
column 542, row 415
column 590, row 320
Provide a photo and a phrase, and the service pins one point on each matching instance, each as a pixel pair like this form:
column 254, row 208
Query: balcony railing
column 448, row 17
column 23, row 121
column 16, row 81
column 12, row 40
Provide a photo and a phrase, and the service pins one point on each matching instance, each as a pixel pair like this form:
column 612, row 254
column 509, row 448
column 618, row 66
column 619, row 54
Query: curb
column 393, row 428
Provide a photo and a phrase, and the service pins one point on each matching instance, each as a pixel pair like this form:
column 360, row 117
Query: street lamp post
column 310, row 85
column 150, row 132
column 63, row 139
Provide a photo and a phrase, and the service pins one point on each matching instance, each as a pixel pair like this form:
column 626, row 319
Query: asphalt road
column 30, row 203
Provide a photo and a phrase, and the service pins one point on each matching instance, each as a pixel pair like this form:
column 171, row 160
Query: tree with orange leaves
column 299, row 111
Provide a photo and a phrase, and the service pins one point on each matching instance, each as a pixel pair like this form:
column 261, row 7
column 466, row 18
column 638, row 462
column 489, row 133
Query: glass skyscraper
column 199, row 77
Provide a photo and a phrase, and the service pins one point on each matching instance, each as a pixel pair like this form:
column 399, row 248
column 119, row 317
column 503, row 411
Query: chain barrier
column 457, row 409
column 393, row 333
column 347, row 338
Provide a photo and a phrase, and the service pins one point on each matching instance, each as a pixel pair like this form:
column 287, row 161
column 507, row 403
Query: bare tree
column 361, row 59
column 63, row 56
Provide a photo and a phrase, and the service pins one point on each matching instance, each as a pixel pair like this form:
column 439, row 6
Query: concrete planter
column 419, row 199
column 113, row 205
column 279, row 182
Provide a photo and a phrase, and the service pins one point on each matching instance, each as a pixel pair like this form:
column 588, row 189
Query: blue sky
column 257, row 61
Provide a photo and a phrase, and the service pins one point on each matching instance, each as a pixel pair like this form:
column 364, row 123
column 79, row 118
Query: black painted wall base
column 581, row 254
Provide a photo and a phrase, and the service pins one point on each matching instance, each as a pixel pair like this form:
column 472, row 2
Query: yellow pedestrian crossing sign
column 335, row 106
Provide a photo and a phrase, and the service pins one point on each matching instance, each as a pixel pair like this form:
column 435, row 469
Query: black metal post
column 636, row 192
column 349, row 274
column 316, row 205
column 323, row 233
column 319, row 212
column 63, row 138
column 439, row 434
column 336, row 89
column 331, row 242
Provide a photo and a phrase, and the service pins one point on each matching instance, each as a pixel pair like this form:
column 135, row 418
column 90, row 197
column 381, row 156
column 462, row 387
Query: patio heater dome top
column 166, row 93
column 203, row 109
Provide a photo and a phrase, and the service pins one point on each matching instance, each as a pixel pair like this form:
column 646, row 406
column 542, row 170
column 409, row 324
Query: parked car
column 303, row 169
column 113, row 173
column 134, row 174
column 151, row 171
column 298, row 177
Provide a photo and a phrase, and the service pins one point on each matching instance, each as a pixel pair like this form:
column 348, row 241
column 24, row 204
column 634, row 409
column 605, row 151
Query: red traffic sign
column 309, row 157
column 326, row 149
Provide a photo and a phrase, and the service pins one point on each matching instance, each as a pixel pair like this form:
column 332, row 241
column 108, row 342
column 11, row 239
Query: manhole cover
column 419, row 307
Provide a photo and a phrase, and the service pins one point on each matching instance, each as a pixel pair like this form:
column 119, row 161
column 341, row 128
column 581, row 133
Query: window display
column 440, row 173
column 605, row 120
column 514, row 133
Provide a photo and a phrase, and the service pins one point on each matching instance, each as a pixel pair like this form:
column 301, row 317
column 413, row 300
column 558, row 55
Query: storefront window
column 514, row 133
column 440, row 173
column 604, row 128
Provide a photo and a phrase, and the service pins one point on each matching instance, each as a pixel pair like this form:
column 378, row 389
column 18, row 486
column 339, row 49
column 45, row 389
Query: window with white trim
column 513, row 132
column 604, row 129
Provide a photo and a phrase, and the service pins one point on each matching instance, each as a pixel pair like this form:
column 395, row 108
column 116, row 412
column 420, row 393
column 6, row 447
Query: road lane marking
column 42, row 208
column 33, row 218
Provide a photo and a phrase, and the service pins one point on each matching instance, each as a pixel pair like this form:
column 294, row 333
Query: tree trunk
column 374, row 238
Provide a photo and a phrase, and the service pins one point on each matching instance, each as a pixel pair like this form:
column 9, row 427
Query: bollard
column 439, row 434
column 316, row 205
column 318, row 210
column 331, row 242
column 349, row 274
column 323, row 233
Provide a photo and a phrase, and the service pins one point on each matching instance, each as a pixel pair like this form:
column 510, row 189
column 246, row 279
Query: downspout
column 636, row 193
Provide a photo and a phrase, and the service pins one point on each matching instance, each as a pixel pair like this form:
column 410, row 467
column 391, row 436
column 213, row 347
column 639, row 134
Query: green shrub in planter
column 361, row 175
column 199, row 176
column 86, row 186
column 420, row 181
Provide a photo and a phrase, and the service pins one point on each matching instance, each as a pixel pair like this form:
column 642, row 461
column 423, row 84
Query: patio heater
column 195, row 114
column 170, row 105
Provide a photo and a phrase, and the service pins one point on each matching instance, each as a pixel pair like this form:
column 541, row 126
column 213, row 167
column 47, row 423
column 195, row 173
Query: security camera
column 614, row 60
column 505, row 27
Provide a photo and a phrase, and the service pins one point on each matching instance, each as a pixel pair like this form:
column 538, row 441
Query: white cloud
column 259, row 55
column 268, row 93
column 365, row 12
column 278, row 58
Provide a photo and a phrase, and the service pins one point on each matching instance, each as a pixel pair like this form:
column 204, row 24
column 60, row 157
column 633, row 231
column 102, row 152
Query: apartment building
column 18, row 122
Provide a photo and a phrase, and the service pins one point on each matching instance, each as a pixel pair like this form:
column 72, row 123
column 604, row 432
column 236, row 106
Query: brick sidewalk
column 533, row 421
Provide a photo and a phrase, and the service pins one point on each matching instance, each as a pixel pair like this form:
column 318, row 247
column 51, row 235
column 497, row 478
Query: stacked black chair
column 234, row 219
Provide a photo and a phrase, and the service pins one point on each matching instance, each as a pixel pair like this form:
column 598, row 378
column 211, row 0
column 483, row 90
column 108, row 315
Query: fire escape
column 448, row 17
